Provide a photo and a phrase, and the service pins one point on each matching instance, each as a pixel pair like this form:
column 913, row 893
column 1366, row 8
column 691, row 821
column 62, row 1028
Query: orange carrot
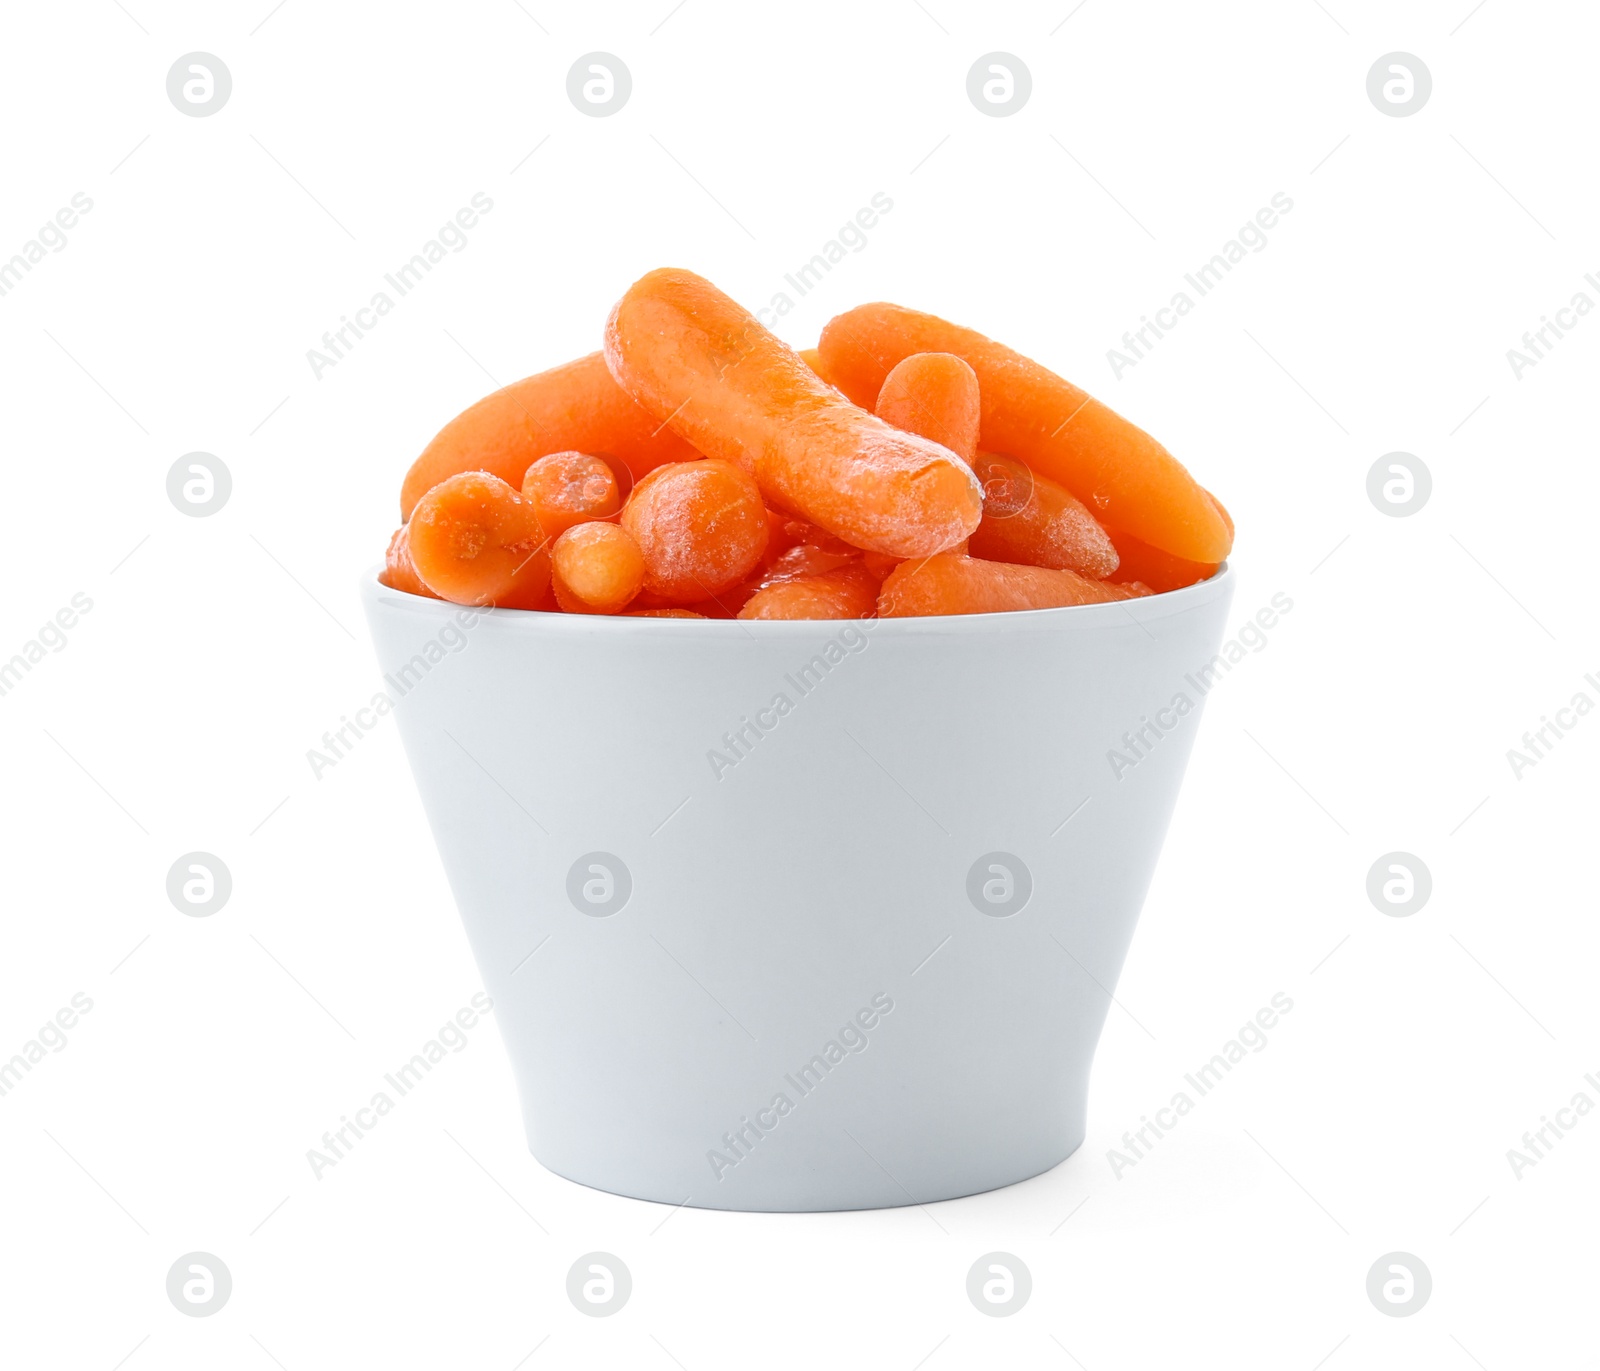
column 1124, row 476
column 725, row 384
column 1161, row 571
column 568, row 488
column 846, row 592
column 934, row 394
column 1222, row 510
column 595, row 568
column 954, row 584
column 398, row 572
column 807, row 559
column 576, row 407
column 1032, row 520
column 475, row 541
column 700, row 526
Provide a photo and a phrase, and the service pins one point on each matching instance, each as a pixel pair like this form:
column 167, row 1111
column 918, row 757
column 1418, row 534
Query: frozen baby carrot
column 474, row 540
column 954, row 584
column 398, row 573
column 718, row 378
column 1126, row 478
column 595, row 568
column 1161, row 571
column 576, row 407
column 661, row 614
column 697, row 467
column 700, row 526
column 849, row 591
column 1032, row 520
column 934, row 394
column 568, row 488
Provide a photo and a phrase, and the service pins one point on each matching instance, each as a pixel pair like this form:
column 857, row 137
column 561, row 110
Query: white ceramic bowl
column 859, row 956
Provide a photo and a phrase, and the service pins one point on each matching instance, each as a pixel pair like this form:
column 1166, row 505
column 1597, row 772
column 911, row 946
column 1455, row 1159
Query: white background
column 218, row 650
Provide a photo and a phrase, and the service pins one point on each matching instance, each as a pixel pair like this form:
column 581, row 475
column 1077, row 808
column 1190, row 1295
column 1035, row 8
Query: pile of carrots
column 698, row 467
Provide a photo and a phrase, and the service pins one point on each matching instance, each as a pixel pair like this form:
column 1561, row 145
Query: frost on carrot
column 1122, row 474
column 698, row 467
column 568, row 488
column 700, row 527
column 713, row 374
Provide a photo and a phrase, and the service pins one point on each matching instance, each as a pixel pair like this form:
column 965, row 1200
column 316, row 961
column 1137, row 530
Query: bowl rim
column 1114, row 614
